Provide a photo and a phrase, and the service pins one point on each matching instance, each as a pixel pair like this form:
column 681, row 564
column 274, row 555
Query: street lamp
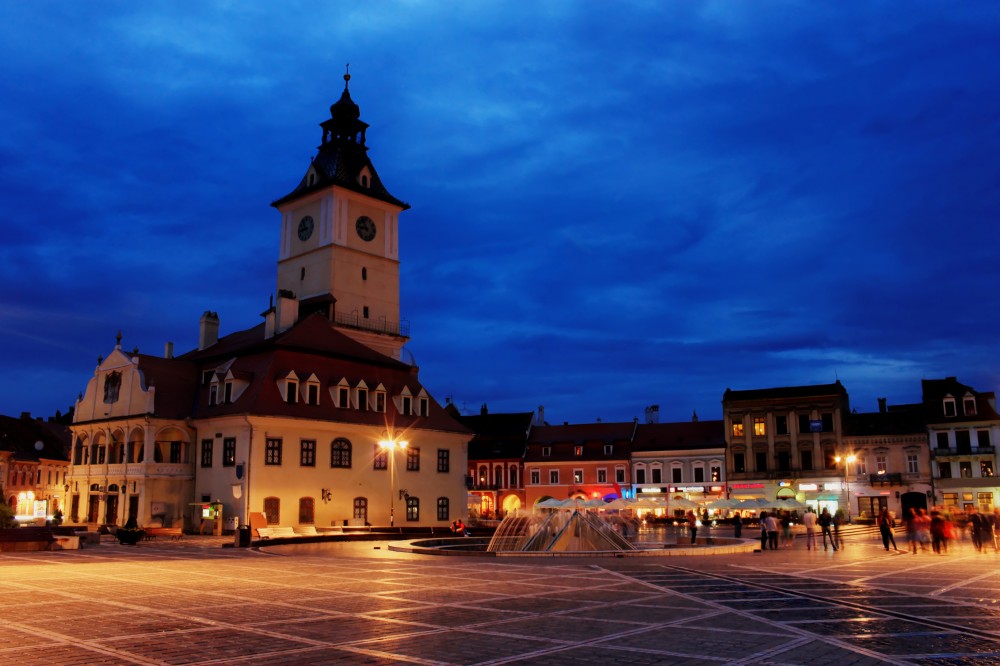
column 390, row 445
column 847, row 460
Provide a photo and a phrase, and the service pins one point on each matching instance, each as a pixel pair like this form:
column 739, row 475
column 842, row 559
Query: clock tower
column 339, row 249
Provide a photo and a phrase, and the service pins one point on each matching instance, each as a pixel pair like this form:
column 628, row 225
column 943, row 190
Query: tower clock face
column 366, row 228
column 305, row 228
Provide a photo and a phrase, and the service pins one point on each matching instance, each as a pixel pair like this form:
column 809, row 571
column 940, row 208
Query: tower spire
column 347, row 75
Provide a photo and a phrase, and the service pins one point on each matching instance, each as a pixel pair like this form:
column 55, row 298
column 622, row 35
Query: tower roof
column 342, row 159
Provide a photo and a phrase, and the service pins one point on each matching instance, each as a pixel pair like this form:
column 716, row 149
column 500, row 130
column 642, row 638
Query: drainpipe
column 246, row 474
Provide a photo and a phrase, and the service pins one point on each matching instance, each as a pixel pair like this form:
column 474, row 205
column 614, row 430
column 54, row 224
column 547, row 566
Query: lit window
column 412, row 508
column 737, row 428
column 759, row 429
column 272, row 452
column 578, row 451
column 577, row 476
column 307, row 453
column 881, row 464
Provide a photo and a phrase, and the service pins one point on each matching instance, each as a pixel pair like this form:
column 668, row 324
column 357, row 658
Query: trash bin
column 232, row 523
column 243, row 536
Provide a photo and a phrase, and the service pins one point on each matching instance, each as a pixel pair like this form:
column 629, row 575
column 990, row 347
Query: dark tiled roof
column 787, row 392
column 563, row 440
column 895, row 421
column 498, row 436
column 18, row 435
column 682, row 436
column 175, row 382
column 935, row 390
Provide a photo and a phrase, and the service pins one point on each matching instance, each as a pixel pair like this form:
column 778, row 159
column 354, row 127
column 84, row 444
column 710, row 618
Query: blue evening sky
column 615, row 204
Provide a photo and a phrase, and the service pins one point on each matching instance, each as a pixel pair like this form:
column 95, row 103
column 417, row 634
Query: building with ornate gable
column 311, row 417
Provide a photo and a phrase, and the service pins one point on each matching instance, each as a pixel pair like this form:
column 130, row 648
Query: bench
column 169, row 532
column 26, row 539
column 275, row 532
column 305, row 530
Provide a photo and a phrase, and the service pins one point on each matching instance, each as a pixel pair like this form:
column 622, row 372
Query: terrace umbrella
column 722, row 504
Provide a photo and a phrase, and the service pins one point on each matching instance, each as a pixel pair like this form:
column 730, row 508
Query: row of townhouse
column 800, row 442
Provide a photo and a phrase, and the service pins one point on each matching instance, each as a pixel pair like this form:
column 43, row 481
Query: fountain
column 573, row 530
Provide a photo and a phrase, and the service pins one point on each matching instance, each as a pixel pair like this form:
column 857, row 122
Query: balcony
column 353, row 320
column 893, row 478
column 945, row 453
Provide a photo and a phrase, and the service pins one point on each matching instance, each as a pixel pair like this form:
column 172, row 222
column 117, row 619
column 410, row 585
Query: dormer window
column 227, row 393
column 292, row 392
column 380, row 399
column 424, row 407
column 577, row 451
column 969, row 405
column 609, row 449
column 213, row 394
column 365, row 178
column 949, row 406
column 312, row 394
column 407, row 404
column 363, row 399
column 546, row 451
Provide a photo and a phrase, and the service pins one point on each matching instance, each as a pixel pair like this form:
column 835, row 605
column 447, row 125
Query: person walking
column 825, row 522
column 772, row 531
column 763, row 530
column 737, row 525
column 809, row 520
column 923, row 529
column 937, row 529
column 912, row 523
column 692, row 520
column 885, row 525
column 978, row 527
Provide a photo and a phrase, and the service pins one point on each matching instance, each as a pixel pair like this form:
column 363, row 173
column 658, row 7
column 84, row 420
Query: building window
column 364, row 273
column 699, row 475
column 609, row 449
column 292, row 392
column 381, row 459
column 944, row 470
column 343, row 397
column 806, row 458
column 804, row 427
column 950, row 499
column 716, row 473
column 577, row 451
column 985, row 502
column 312, row 394
column 829, row 459
column 361, row 509
column 759, row 427
column 737, row 427
column 602, row 476
column 969, row 405
column 206, row 452
column 272, row 510
column 229, row 452
column 444, row 512
column 380, row 401
column 860, row 466
column 784, row 461
column 827, row 419
column 413, row 459
column 513, row 477
column 985, row 468
column 227, row 393
column 657, row 474
column 307, row 453
column 412, row 509
column 781, row 425
column 739, row 463
column 760, row 461
column 881, row 464
column 363, row 400
column 942, row 440
column 444, row 461
column 965, row 469
column 340, row 453
column 554, row 477
column 272, row 451
column 983, row 439
column 620, row 474
column 577, row 476
column 536, row 477
column 213, row 393
column 307, row 511
column 676, row 475
column 407, row 403
column 963, row 441
column 640, row 475
column 546, row 451
column 175, row 453
column 912, row 467
column 949, row 406
column 425, row 405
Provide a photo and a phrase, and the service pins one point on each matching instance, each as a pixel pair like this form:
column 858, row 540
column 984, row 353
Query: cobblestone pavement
column 195, row 602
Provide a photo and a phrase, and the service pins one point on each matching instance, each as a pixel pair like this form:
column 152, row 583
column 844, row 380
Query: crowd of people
column 934, row 530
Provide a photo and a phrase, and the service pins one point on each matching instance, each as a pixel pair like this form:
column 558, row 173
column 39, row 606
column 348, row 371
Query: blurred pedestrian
column 911, row 521
column 772, row 531
column 692, row 521
column 978, row 527
column 763, row 530
column 885, row 524
column 737, row 525
column 825, row 523
column 809, row 520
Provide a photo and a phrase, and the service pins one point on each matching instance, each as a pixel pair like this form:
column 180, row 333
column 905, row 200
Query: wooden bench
column 26, row 539
column 169, row 532
column 305, row 530
column 276, row 532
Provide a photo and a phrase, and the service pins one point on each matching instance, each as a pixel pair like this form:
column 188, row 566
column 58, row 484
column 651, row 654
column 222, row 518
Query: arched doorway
column 911, row 500
column 511, row 503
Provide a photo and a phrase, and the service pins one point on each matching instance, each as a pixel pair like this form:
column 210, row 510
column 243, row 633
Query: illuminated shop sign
column 647, row 489
column 687, row 489
column 808, row 486
column 832, row 486
column 746, row 486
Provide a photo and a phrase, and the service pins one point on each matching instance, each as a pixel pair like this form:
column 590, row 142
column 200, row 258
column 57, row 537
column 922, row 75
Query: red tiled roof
column 684, row 435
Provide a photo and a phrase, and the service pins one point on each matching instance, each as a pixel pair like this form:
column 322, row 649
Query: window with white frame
column 881, row 463
column 656, row 474
column 546, row 451
column 969, row 405
column 716, row 473
column 536, row 477
column 602, row 475
column 912, row 466
column 699, row 473
column 949, row 406
column 640, row 474
column 577, row 476
column 362, row 394
column 553, row 476
column 860, row 466
column 343, row 397
column 620, row 474
column 380, row 401
column 609, row 449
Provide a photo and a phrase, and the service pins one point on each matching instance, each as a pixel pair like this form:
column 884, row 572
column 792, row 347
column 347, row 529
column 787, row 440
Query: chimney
column 168, row 350
column 653, row 414
column 694, row 416
column 541, row 415
column 25, row 416
column 881, row 405
column 288, row 311
column 208, row 329
column 483, row 411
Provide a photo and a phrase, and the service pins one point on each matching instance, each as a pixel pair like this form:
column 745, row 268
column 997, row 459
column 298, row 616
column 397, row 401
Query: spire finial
column 347, row 75
column 118, row 339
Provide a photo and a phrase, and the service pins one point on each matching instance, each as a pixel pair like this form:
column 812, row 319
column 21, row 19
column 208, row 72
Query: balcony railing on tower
column 379, row 325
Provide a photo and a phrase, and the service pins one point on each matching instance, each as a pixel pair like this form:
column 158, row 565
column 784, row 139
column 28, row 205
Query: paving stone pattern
column 195, row 602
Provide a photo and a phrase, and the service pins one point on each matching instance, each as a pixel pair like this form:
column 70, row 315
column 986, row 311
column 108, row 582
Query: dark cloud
column 611, row 208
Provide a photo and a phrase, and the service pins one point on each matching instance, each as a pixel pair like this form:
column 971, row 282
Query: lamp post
column 389, row 445
column 847, row 460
